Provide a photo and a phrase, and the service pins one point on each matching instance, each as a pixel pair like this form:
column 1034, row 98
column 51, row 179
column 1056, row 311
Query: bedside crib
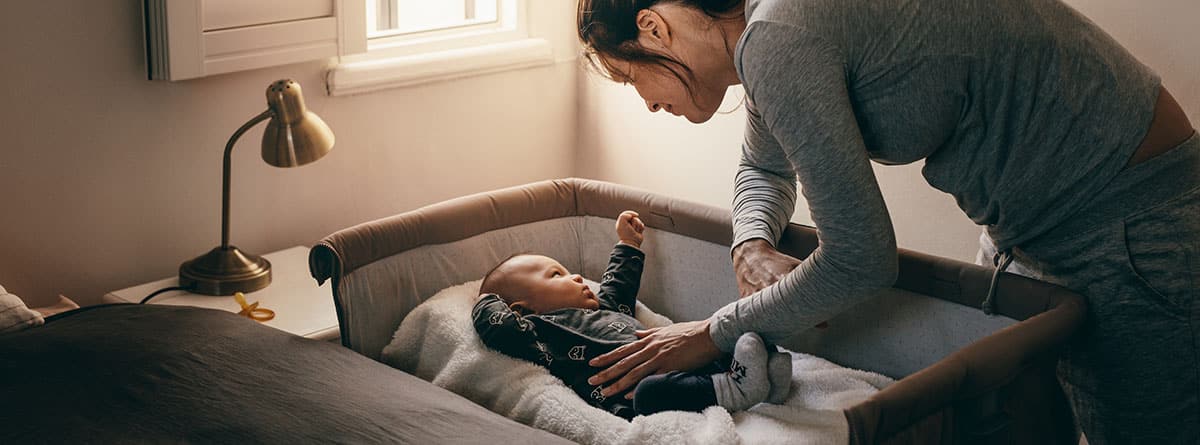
column 963, row 377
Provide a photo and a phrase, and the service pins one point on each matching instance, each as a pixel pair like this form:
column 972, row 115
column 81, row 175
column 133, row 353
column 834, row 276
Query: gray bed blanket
column 151, row 374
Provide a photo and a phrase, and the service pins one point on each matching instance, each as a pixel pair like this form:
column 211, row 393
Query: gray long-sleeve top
column 1021, row 109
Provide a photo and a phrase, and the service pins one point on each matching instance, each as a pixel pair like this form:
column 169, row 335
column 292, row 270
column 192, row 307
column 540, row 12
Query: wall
column 108, row 180
column 621, row 141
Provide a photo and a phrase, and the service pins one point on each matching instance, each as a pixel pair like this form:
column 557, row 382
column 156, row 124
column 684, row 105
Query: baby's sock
column 779, row 370
column 747, row 383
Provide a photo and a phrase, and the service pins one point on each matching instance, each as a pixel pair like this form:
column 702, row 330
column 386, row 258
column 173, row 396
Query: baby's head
column 534, row 284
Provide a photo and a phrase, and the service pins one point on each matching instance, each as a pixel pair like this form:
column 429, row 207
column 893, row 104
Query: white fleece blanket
column 438, row 343
column 14, row 315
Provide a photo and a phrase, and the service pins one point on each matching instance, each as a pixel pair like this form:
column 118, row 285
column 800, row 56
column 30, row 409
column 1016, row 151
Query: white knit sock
column 747, row 383
column 779, row 370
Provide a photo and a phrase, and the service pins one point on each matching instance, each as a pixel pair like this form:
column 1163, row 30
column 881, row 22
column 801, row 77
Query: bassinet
column 963, row 377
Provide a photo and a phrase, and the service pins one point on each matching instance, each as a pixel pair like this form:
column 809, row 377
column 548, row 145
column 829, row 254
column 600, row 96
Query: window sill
column 395, row 72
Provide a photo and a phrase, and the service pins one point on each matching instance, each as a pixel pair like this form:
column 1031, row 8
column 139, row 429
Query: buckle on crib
column 1000, row 260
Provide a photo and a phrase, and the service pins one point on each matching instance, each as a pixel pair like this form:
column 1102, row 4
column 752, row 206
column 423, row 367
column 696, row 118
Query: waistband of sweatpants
column 1143, row 186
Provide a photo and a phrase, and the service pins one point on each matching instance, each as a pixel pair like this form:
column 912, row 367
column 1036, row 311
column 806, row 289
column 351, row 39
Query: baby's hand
column 630, row 228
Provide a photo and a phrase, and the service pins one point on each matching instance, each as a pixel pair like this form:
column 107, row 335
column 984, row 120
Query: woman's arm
column 764, row 189
column 797, row 84
column 798, row 87
column 757, row 264
column 763, row 202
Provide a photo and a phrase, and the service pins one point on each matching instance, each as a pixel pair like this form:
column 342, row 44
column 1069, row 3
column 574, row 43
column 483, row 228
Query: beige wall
column 109, row 180
column 621, row 141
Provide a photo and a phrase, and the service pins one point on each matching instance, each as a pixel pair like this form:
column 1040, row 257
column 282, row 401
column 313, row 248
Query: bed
column 962, row 376
column 129, row 373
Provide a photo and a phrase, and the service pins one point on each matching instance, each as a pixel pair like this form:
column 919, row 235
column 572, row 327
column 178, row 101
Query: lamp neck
column 225, row 177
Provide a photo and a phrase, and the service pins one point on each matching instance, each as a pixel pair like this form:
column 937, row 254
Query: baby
column 530, row 307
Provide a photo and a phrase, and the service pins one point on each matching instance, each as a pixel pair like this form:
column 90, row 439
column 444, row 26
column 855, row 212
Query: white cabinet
column 186, row 39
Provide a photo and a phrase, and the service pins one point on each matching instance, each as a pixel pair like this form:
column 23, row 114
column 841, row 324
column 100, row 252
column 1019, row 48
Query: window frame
column 453, row 52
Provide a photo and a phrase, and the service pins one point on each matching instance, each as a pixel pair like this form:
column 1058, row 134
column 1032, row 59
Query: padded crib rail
column 999, row 389
column 980, row 393
column 346, row 250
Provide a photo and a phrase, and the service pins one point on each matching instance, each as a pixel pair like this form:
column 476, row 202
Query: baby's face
column 541, row 284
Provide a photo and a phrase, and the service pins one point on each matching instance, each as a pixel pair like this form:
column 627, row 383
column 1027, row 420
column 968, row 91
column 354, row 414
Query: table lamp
column 294, row 137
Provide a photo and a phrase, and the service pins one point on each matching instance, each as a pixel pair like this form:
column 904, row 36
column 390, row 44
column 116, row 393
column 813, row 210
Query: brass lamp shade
column 294, row 137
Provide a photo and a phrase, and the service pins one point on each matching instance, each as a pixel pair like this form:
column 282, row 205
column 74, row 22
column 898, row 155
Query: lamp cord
column 165, row 289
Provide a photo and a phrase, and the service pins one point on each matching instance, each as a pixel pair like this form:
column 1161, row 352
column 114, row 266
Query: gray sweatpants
column 1133, row 375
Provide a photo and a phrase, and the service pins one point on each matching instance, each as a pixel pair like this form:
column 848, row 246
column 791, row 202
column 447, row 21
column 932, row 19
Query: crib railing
column 998, row 389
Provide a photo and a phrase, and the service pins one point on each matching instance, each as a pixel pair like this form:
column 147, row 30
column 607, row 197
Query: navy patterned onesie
column 566, row 339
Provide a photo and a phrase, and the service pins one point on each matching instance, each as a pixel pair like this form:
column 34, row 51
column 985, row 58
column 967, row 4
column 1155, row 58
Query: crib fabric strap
column 1001, row 260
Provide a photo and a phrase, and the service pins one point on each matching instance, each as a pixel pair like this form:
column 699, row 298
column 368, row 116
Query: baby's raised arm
column 630, row 228
column 621, row 280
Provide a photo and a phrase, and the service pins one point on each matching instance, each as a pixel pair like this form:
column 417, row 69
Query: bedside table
column 301, row 306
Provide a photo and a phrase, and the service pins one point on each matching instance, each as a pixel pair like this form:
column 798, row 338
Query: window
column 387, row 18
column 404, row 27
column 417, row 41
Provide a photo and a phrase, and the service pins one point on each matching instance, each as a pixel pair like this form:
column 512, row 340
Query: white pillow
column 14, row 315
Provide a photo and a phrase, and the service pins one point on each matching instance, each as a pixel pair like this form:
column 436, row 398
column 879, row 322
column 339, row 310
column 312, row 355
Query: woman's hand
column 630, row 228
column 678, row 347
column 757, row 265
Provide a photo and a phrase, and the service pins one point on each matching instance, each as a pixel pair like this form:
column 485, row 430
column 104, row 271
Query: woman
column 1083, row 169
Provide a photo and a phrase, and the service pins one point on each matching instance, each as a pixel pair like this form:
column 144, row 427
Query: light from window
column 411, row 42
column 399, row 17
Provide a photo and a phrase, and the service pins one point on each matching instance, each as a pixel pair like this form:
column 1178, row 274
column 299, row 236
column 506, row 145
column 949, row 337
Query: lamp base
column 223, row 271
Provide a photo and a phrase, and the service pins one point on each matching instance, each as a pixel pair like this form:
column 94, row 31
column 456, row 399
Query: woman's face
column 663, row 90
column 691, row 38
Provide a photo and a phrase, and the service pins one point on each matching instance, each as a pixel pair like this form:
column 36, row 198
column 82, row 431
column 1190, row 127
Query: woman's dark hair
column 608, row 30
